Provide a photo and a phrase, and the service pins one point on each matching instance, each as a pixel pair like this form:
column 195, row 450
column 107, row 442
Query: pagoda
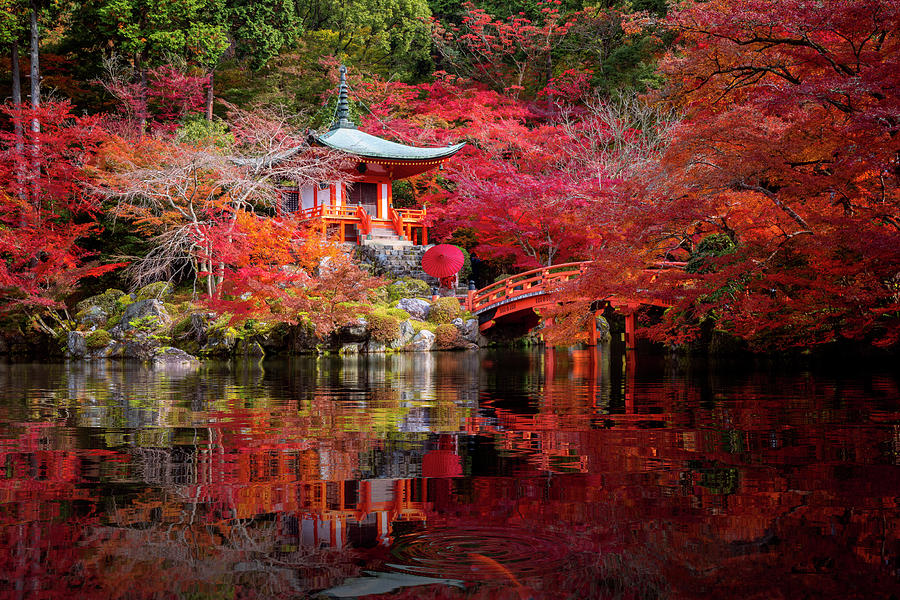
column 359, row 208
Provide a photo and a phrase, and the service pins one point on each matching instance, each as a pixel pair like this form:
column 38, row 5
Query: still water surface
column 557, row 474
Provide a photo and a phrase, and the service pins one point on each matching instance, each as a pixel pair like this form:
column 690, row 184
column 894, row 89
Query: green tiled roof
column 358, row 143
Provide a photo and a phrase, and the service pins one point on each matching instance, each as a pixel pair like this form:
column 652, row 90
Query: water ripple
column 481, row 553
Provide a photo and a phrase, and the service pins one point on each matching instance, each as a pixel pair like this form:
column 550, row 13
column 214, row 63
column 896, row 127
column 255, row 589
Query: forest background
column 755, row 140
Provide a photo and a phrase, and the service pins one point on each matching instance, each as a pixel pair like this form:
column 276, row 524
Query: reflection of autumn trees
column 244, row 477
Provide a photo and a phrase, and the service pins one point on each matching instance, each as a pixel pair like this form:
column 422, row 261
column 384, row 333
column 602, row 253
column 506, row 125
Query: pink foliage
column 161, row 101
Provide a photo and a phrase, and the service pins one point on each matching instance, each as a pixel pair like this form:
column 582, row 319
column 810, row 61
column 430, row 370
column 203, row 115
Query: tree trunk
column 209, row 97
column 142, row 104
column 35, row 72
column 16, row 90
column 35, row 66
column 17, row 121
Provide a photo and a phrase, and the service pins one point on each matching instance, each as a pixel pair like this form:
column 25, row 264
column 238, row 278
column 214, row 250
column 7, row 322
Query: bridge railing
column 529, row 283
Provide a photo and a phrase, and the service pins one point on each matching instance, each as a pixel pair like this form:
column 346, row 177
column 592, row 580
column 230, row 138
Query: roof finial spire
column 342, row 117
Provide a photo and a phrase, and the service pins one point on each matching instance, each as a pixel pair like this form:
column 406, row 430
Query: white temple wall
column 324, row 196
column 385, row 201
column 307, row 196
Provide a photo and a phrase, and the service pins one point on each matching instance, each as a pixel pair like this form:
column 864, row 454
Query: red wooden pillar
column 629, row 330
column 424, row 236
column 629, row 383
column 592, row 330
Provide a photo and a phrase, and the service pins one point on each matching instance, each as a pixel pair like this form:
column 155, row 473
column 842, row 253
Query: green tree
column 148, row 33
column 388, row 36
column 260, row 29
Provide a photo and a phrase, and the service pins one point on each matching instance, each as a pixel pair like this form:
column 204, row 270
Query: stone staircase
column 391, row 256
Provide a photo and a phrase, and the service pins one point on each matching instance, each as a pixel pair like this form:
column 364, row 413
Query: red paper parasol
column 442, row 260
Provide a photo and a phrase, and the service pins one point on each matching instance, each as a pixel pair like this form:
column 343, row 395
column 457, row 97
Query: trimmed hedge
column 446, row 336
column 444, row 310
column 383, row 328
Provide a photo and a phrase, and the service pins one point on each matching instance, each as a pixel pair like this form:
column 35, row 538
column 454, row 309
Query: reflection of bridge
column 518, row 297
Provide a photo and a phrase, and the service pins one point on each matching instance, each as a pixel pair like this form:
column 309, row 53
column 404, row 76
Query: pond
column 507, row 474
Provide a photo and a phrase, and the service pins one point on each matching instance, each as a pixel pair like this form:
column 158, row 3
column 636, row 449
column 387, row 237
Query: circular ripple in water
column 477, row 553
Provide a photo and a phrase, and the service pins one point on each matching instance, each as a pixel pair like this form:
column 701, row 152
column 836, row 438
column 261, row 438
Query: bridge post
column 592, row 330
column 629, row 330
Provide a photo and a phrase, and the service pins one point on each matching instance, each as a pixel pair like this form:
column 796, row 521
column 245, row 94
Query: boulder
column 408, row 288
column 416, row 307
column 603, row 331
column 76, row 345
column 350, row 348
column 157, row 291
column 469, row 331
column 173, row 357
column 106, row 301
column 407, row 333
column 149, row 314
column 422, row 342
column 250, row 348
column 374, row 347
column 140, row 348
column 220, row 341
column 357, row 332
column 113, row 349
column 93, row 316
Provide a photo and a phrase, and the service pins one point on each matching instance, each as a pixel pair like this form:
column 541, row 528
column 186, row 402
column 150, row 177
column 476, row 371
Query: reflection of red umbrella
column 442, row 260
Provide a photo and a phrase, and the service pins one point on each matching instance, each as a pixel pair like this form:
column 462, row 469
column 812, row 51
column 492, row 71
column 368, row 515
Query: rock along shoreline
column 146, row 326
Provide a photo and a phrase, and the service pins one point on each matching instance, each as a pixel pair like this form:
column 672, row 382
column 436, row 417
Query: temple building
column 360, row 208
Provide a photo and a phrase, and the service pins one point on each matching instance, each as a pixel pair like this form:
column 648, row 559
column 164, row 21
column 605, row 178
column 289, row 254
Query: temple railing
column 402, row 221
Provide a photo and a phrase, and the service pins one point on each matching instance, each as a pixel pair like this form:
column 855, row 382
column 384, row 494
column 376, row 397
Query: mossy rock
column 98, row 339
column 444, row 310
column 155, row 291
column 107, row 301
column 182, row 327
column 408, row 288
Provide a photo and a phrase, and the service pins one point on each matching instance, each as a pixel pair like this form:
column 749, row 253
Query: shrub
column 444, row 310
column 446, row 336
column 397, row 312
column 198, row 130
column 422, row 325
column 383, row 328
column 97, row 339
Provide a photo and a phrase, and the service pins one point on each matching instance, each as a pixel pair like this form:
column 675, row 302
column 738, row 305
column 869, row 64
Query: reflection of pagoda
column 363, row 209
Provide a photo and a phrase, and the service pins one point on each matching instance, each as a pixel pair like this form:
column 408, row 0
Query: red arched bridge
column 517, row 298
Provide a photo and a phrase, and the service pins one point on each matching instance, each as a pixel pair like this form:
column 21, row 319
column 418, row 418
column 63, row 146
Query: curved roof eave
column 359, row 143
